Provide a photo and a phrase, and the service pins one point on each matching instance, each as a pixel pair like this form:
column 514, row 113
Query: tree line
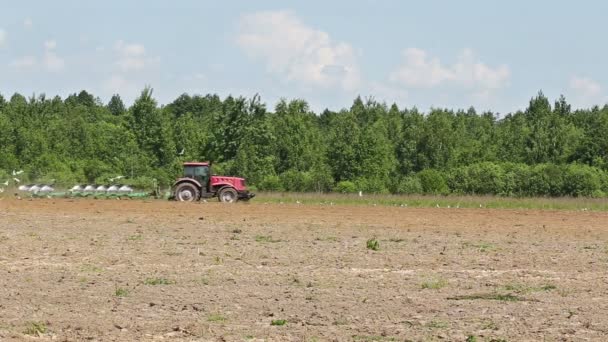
column 545, row 150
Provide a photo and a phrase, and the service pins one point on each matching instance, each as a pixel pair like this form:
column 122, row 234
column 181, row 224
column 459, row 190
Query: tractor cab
column 200, row 172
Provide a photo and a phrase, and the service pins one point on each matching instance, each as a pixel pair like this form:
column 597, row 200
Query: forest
column 546, row 149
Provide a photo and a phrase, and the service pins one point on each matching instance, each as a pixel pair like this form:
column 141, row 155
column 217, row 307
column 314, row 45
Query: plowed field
column 106, row 270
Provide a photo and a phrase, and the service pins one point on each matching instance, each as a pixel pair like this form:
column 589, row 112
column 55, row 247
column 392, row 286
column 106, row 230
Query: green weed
column 373, row 244
column 216, row 318
column 489, row 296
column 265, row 238
column 157, row 281
column 434, row 284
column 120, row 292
column 35, row 328
column 278, row 322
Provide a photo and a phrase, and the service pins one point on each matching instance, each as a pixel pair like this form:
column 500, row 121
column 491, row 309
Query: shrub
column 373, row 185
column 408, row 186
column 345, row 187
column 271, row 183
column 515, row 179
column 582, row 180
column 296, row 181
column 485, row 178
column 433, row 182
column 546, row 180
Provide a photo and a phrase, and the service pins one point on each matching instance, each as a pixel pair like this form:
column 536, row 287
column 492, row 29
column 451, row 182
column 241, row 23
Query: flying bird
column 1, row 190
column 182, row 152
column 116, row 178
column 16, row 180
column 5, row 183
column 16, row 173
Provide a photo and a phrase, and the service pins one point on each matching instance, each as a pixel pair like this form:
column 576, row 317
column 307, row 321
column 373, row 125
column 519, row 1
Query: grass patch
column 453, row 201
column 371, row 338
column 216, row 318
column 265, row 238
column 35, row 328
column 278, row 322
column 373, row 244
column 480, row 246
column 120, row 292
column 490, row 296
column 523, row 289
column 157, row 281
column 135, row 237
column 90, row 268
column 328, row 239
column 434, row 284
column 436, row 324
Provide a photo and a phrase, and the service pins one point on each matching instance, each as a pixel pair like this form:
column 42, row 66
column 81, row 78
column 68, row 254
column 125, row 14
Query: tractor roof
column 196, row 164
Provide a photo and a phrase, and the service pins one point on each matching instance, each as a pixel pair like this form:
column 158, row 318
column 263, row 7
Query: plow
column 86, row 191
column 196, row 183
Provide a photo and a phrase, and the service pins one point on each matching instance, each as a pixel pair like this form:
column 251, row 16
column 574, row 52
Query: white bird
column 1, row 190
column 16, row 180
column 15, row 173
column 182, row 152
column 360, row 193
column 5, row 183
column 116, row 178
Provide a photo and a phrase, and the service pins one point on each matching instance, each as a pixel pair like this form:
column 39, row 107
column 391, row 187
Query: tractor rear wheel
column 228, row 195
column 186, row 192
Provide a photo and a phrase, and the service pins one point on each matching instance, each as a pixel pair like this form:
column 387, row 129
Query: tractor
column 198, row 183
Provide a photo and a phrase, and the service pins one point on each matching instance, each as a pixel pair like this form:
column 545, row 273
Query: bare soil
column 109, row 270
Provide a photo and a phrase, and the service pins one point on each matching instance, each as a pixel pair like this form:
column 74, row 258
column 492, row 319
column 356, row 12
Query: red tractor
column 198, row 182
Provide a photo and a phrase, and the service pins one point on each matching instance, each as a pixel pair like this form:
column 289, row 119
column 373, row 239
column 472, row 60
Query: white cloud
column 418, row 70
column 389, row 93
column 52, row 62
column 118, row 84
column 27, row 23
column 50, row 44
column 26, row 62
column 2, row 37
column 585, row 86
column 132, row 57
column 298, row 52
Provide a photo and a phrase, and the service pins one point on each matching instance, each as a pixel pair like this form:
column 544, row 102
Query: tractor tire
column 187, row 192
column 228, row 195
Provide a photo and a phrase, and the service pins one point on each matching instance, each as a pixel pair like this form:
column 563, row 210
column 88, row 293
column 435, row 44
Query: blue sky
column 455, row 54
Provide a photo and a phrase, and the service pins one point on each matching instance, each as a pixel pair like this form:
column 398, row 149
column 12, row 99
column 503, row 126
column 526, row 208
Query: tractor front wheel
column 186, row 192
column 228, row 195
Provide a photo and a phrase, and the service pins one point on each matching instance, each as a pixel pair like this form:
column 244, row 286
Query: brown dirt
column 440, row 274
